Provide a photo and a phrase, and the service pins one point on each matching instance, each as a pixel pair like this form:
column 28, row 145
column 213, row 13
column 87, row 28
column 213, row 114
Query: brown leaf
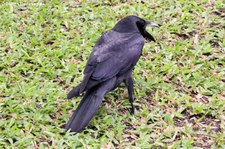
column 221, row 96
column 108, row 146
column 66, row 24
column 3, row 35
column 12, row 115
column 196, row 39
column 35, row 145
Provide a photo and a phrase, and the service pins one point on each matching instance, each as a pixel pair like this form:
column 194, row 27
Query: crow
column 111, row 62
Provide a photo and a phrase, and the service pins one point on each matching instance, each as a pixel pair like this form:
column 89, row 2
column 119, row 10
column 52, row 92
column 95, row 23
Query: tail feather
column 85, row 111
column 88, row 106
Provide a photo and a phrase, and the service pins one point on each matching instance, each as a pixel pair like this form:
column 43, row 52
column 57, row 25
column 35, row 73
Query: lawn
column 179, row 80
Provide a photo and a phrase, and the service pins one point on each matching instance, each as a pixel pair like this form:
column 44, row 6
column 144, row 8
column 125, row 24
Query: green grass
column 179, row 80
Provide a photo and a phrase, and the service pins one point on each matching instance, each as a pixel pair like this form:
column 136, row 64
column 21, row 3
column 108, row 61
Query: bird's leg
column 130, row 87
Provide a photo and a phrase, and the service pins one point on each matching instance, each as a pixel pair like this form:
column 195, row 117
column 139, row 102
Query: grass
column 179, row 80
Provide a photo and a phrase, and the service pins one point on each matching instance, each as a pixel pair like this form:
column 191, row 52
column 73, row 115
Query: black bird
column 110, row 63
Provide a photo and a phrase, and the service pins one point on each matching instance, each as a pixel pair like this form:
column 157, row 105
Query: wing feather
column 113, row 54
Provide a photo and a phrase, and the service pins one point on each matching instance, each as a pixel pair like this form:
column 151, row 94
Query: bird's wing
column 115, row 54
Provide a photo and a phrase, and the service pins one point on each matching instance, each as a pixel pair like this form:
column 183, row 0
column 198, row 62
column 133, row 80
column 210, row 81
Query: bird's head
column 135, row 24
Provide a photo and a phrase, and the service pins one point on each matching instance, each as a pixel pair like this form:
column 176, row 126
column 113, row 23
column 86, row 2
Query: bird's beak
column 149, row 23
column 146, row 34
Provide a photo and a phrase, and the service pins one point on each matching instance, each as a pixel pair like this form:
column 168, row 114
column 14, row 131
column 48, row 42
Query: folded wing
column 113, row 54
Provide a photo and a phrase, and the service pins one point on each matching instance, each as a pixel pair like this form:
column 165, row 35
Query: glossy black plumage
column 110, row 63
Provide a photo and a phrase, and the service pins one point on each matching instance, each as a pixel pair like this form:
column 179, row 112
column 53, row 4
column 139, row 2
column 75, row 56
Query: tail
column 89, row 105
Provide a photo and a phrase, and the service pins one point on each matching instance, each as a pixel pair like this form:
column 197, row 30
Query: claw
column 131, row 110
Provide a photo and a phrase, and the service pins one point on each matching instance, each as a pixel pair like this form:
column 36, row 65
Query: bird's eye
column 140, row 24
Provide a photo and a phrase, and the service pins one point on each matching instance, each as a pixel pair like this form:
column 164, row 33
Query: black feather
column 110, row 63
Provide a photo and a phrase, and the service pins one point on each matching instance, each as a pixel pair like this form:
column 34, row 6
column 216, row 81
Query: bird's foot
column 131, row 110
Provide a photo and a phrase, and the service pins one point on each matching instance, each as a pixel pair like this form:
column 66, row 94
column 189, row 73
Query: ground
column 179, row 80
